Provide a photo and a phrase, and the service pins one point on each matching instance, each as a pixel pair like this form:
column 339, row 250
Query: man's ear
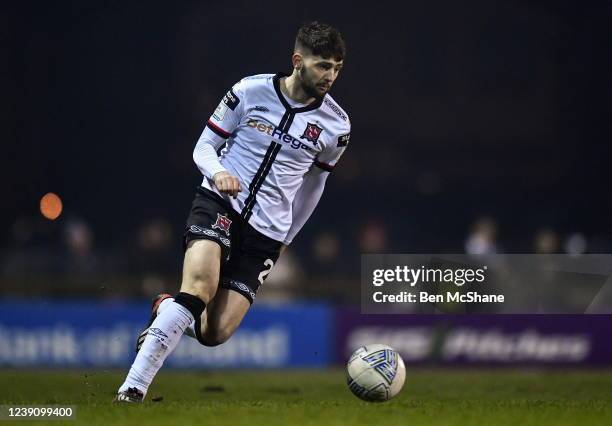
column 297, row 60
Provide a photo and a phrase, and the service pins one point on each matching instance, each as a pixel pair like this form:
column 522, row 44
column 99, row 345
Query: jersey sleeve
column 227, row 115
column 329, row 157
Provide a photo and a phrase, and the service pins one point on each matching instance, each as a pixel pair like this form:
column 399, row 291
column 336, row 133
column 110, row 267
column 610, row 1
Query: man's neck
column 291, row 87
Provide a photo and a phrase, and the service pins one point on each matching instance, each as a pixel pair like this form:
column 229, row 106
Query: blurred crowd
column 62, row 257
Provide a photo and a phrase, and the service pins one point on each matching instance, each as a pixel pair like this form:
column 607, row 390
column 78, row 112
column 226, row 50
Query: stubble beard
column 308, row 88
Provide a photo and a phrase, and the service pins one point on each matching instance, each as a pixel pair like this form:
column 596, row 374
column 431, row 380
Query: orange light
column 51, row 206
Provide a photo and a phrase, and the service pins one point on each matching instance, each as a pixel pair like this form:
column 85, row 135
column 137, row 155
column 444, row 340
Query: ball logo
column 223, row 223
column 312, row 133
column 385, row 362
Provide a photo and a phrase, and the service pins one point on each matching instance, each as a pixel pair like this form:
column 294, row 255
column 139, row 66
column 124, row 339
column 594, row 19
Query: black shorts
column 247, row 256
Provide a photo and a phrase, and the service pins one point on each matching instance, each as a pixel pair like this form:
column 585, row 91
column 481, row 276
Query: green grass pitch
column 320, row 397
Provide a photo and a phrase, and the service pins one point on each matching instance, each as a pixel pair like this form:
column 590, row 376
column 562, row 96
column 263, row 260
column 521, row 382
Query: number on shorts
column 263, row 274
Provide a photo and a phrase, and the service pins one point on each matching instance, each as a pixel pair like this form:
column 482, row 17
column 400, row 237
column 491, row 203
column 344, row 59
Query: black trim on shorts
column 238, row 287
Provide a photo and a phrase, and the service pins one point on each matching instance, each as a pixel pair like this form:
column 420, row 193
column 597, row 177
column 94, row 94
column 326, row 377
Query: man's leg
column 243, row 276
column 200, row 281
column 223, row 316
column 226, row 311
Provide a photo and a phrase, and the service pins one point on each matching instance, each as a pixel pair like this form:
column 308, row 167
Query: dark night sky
column 502, row 106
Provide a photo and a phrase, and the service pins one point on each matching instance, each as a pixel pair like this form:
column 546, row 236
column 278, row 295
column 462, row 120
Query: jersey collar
column 311, row 106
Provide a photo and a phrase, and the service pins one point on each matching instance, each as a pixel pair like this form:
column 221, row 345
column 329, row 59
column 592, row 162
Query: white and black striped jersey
column 270, row 144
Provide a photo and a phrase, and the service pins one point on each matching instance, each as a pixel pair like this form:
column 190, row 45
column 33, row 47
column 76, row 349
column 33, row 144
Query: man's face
column 318, row 74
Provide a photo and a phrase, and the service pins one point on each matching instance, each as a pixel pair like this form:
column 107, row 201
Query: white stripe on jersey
column 270, row 145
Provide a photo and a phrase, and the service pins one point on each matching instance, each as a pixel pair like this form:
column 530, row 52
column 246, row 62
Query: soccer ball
column 375, row 373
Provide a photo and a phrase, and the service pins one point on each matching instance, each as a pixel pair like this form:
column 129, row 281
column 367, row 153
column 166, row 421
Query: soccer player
column 278, row 136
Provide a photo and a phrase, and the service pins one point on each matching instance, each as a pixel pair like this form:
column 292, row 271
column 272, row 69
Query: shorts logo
column 343, row 140
column 197, row 230
column 223, row 223
column 242, row 287
column 194, row 229
column 312, row 133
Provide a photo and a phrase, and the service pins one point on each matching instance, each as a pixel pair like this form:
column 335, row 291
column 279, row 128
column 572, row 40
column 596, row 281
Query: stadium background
column 477, row 128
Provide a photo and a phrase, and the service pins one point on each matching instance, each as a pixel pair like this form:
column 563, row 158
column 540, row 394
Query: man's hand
column 227, row 184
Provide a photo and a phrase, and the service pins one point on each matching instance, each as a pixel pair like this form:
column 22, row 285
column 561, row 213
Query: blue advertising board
column 102, row 334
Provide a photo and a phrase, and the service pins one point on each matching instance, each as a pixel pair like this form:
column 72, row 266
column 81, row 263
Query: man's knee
column 201, row 278
column 201, row 283
column 215, row 336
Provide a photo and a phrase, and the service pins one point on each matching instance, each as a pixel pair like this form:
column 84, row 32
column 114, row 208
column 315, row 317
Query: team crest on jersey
column 223, row 223
column 312, row 133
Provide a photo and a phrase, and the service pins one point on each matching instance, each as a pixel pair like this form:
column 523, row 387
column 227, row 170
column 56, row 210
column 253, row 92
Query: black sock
column 194, row 304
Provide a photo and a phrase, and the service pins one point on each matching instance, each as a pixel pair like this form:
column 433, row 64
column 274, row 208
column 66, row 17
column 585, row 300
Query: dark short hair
column 322, row 40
